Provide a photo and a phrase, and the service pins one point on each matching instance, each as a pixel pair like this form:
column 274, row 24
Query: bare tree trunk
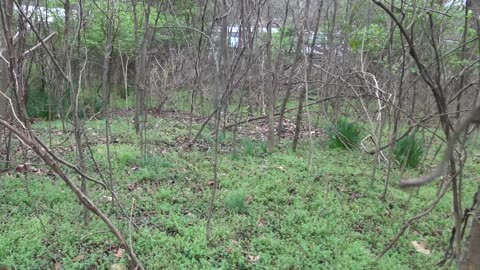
column 137, row 67
column 219, row 105
column 140, row 78
column 3, row 85
column 74, row 100
column 270, row 81
column 471, row 260
column 298, row 120
column 222, row 59
column 3, row 102
column 198, row 76
column 125, row 77
column 106, row 89
column 463, row 56
column 398, row 102
column 302, row 97
column 298, row 56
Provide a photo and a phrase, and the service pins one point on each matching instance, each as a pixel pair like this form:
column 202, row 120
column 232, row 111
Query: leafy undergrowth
column 273, row 211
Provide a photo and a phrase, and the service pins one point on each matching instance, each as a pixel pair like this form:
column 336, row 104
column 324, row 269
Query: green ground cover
column 273, row 211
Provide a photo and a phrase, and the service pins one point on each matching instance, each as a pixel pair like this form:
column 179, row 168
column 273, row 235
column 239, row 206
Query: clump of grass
column 344, row 133
column 253, row 148
column 235, row 201
column 248, row 147
column 409, row 151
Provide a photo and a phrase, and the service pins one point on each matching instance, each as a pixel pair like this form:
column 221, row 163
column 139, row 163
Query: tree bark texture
column 471, row 259
column 3, row 85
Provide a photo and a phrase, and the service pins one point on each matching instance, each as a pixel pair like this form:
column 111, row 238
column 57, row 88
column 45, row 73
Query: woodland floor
column 273, row 211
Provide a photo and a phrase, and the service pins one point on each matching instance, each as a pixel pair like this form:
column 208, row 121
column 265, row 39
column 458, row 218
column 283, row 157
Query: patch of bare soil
column 257, row 130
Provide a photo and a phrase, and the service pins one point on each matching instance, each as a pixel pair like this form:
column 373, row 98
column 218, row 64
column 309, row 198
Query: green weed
column 344, row 133
column 409, row 151
column 253, row 148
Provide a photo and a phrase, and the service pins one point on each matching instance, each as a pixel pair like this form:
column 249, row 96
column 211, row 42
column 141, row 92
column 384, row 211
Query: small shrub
column 409, row 151
column 235, row 201
column 344, row 134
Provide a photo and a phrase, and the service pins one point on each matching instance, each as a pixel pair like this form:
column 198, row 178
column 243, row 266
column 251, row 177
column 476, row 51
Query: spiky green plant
column 409, row 151
column 344, row 133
